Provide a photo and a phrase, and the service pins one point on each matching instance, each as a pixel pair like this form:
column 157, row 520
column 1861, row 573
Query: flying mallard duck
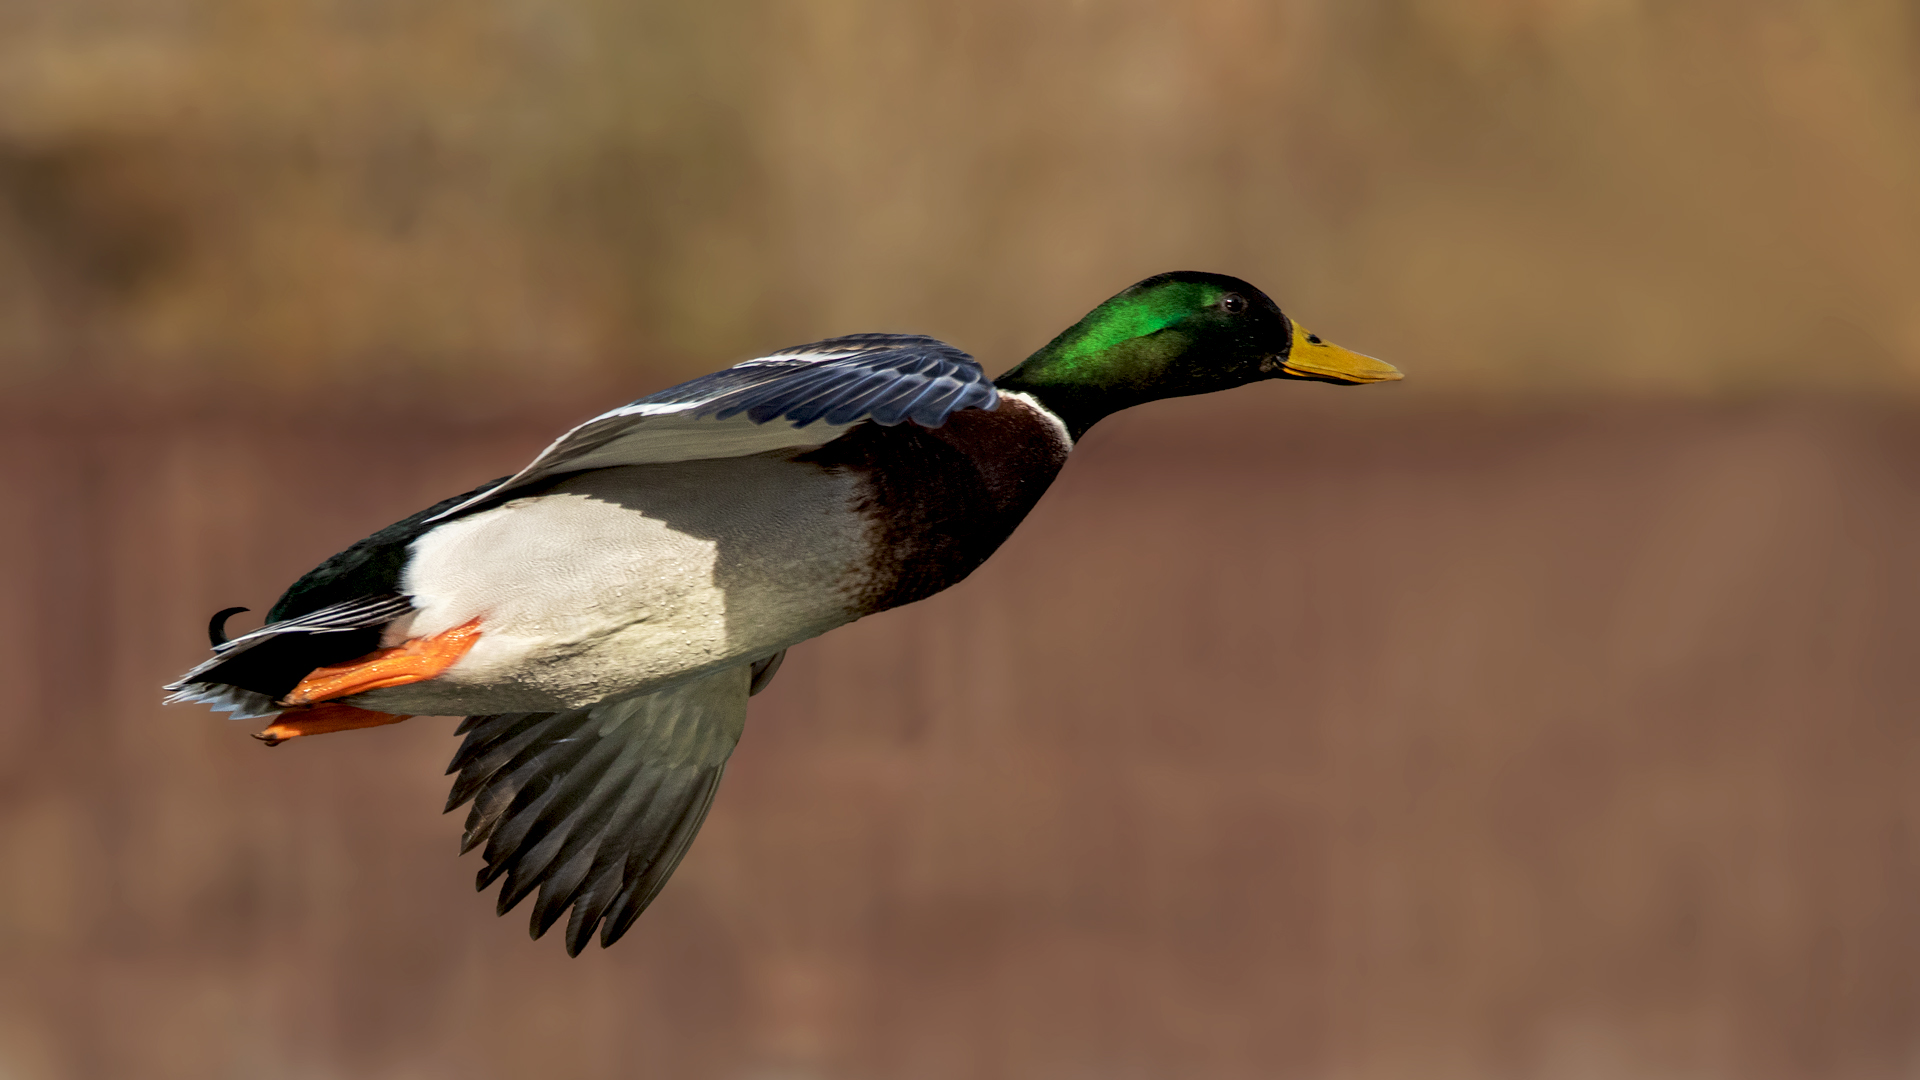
column 602, row 615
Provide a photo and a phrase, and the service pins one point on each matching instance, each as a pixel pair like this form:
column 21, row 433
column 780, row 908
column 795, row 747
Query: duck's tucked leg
column 320, row 719
column 414, row 661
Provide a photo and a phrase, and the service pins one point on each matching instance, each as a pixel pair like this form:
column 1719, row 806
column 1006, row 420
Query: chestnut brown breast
column 939, row 501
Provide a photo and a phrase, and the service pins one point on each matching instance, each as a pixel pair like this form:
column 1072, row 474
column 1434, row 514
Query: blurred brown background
column 1547, row 715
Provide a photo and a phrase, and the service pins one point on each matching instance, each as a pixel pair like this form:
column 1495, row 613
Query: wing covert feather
column 818, row 390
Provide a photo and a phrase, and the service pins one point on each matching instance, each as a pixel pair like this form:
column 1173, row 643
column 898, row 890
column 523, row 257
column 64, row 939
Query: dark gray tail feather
column 247, row 674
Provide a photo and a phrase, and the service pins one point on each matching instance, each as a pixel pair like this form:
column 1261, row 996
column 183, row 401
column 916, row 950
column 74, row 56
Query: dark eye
column 1233, row 303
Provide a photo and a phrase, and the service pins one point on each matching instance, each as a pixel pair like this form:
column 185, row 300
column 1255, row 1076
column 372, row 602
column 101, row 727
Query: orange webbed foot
column 320, row 719
column 413, row 661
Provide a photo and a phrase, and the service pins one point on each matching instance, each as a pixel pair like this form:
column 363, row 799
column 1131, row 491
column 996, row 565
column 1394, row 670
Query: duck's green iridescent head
column 1173, row 335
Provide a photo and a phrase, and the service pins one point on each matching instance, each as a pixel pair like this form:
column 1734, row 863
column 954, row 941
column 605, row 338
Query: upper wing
column 885, row 378
column 595, row 806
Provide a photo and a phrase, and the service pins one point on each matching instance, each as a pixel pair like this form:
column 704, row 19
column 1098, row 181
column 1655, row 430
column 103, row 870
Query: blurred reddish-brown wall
column 1550, row 714
column 1296, row 735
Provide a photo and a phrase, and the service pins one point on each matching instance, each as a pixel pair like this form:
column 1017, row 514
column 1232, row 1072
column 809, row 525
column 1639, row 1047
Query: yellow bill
column 1311, row 358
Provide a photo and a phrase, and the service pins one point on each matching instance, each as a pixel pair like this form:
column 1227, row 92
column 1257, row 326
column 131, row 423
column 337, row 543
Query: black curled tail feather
column 217, row 626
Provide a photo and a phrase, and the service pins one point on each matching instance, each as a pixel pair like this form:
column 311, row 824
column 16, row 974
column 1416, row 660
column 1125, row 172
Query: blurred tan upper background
column 1547, row 715
column 1497, row 194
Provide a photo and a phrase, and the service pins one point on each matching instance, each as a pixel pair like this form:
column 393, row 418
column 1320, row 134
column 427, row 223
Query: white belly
column 625, row 580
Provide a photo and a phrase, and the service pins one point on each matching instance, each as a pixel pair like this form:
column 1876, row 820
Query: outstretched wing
column 594, row 807
column 818, row 390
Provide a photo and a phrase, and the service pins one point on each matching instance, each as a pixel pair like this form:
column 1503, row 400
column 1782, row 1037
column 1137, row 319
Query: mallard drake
column 602, row 616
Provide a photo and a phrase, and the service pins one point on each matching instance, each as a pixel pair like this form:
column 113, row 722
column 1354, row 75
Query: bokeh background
column 1550, row 714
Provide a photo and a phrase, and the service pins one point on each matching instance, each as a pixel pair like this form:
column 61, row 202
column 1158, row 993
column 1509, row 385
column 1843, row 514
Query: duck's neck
column 1083, row 377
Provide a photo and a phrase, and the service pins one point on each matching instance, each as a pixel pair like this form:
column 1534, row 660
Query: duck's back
column 619, row 580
